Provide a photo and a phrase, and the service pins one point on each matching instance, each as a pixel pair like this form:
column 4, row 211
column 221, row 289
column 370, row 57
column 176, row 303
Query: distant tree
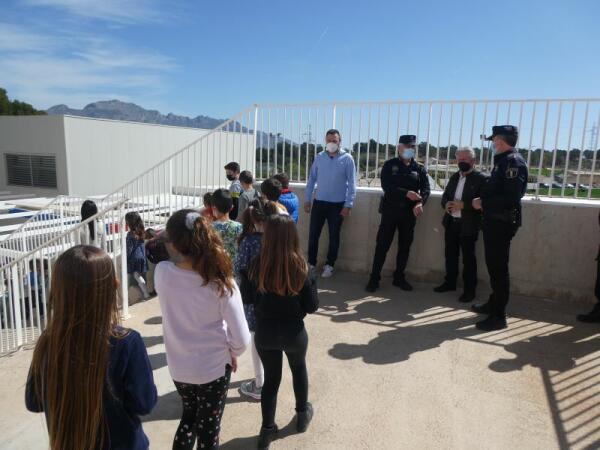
column 16, row 108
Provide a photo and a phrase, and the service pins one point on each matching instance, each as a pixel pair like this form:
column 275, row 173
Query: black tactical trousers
column 403, row 220
column 456, row 243
column 496, row 239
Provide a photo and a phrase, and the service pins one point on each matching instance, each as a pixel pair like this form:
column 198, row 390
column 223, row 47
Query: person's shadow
column 245, row 443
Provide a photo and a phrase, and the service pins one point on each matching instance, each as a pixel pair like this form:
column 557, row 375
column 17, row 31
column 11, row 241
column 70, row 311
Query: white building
column 52, row 155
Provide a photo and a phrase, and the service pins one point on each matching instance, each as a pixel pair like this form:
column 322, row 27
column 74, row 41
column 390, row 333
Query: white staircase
column 28, row 253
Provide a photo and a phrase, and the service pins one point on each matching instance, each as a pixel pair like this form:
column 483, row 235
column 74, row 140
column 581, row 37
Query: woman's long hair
column 257, row 212
column 89, row 209
column 136, row 225
column 71, row 358
column 194, row 237
column 280, row 268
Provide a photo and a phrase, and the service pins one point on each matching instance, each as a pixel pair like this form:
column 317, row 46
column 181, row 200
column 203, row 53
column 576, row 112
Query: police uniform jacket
column 397, row 179
column 501, row 195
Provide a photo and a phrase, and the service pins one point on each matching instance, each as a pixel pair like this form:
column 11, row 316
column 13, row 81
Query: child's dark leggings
column 203, row 406
column 271, row 347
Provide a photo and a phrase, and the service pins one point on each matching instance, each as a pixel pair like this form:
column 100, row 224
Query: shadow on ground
column 541, row 334
column 250, row 442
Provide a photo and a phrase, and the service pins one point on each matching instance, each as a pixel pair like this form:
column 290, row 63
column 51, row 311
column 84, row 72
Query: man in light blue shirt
column 334, row 173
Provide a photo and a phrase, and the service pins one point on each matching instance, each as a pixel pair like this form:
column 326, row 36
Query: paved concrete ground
column 394, row 371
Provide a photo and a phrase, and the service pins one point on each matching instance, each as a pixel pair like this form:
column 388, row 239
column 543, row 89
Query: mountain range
column 118, row 110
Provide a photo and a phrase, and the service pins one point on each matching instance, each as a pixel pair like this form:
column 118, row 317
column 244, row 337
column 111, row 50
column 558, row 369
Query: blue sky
column 217, row 57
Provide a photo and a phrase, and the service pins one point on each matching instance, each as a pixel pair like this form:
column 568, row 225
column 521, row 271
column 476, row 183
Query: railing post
column 170, row 187
column 333, row 116
column 254, row 144
column 16, row 303
column 124, row 278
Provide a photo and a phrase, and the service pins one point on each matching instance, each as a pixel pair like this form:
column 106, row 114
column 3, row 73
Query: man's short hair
column 510, row 140
column 221, row 200
column 246, row 177
column 283, row 179
column 466, row 149
column 333, row 131
column 271, row 188
column 233, row 166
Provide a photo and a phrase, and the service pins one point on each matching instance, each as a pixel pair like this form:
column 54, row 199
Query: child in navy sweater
column 91, row 377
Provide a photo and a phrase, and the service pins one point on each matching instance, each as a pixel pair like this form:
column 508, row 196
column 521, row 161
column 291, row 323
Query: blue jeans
column 325, row 211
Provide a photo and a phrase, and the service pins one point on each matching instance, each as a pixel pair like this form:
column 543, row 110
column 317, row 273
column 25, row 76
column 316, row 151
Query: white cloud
column 119, row 11
column 76, row 68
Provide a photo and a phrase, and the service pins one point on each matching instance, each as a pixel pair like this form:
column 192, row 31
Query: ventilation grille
column 31, row 170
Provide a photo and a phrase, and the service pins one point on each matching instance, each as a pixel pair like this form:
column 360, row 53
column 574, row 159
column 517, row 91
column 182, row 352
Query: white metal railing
column 274, row 138
column 26, row 280
column 176, row 182
column 552, row 135
column 57, row 216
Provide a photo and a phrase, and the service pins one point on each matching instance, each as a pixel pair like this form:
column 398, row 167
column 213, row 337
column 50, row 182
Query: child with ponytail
column 204, row 327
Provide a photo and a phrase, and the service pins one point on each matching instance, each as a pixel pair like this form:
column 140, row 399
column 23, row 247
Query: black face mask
column 230, row 177
column 464, row 166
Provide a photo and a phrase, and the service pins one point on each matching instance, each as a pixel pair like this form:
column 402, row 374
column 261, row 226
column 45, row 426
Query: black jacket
column 397, row 178
column 280, row 314
column 471, row 218
column 501, row 195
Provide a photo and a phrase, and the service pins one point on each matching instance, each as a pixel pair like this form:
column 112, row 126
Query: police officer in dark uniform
column 405, row 190
column 500, row 202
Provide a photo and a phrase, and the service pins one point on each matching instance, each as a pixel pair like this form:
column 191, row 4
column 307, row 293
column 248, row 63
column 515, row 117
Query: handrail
column 423, row 102
column 13, row 235
column 65, row 233
column 43, row 210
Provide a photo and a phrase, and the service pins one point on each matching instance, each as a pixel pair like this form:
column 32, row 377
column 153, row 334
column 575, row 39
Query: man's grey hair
column 468, row 150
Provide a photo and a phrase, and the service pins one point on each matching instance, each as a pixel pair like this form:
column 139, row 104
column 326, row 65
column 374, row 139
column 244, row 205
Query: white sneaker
column 250, row 389
column 327, row 271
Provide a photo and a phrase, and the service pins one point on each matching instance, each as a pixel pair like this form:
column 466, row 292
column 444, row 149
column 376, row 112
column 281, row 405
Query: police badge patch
column 395, row 170
column 512, row 172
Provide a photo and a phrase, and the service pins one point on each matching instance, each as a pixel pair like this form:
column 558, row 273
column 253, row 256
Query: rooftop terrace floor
column 395, row 370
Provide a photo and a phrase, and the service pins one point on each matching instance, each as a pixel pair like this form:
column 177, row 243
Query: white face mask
column 332, row 147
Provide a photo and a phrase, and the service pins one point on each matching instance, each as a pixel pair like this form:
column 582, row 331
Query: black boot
column 592, row 317
column 304, row 418
column 266, row 436
column 402, row 284
column 492, row 323
column 372, row 285
column 444, row 287
column 467, row 297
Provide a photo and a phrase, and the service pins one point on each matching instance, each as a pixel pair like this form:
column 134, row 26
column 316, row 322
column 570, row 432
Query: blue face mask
column 408, row 153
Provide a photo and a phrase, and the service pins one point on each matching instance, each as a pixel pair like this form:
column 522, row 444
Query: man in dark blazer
column 462, row 222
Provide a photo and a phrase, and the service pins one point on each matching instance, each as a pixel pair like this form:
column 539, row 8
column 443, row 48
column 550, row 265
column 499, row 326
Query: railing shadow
column 540, row 335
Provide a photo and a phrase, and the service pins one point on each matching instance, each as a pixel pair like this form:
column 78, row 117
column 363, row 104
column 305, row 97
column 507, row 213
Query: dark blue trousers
column 325, row 211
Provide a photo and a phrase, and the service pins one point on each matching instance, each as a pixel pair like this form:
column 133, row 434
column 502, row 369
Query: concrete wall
column 552, row 255
column 38, row 135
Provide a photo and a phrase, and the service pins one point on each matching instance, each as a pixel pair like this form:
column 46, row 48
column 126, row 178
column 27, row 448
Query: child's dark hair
column 246, row 177
column 283, row 179
column 207, row 199
column 89, row 209
column 258, row 211
column 194, row 237
column 271, row 188
column 221, row 200
column 135, row 224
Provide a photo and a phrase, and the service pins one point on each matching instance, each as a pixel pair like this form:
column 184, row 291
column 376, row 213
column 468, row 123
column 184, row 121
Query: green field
column 569, row 192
